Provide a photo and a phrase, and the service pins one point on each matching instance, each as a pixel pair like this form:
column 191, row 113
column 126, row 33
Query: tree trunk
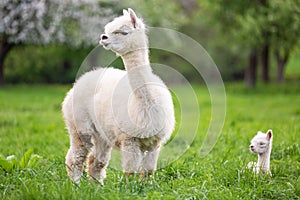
column 281, row 63
column 280, row 72
column 265, row 63
column 5, row 47
column 265, row 47
column 1, row 70
column 250, row 75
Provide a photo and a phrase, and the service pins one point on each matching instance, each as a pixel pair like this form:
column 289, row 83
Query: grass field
column 30, row 118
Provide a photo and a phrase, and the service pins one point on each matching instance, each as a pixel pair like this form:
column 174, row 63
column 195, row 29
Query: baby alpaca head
column 125, row 34
column 261, row 142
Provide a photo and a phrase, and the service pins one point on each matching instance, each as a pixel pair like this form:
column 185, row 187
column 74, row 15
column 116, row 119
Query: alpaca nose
column 104, row 37
column 251, row 147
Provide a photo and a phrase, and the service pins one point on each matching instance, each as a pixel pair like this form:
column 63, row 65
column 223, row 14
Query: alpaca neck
column 139, row 72
column 264, row 160
column 136, row 59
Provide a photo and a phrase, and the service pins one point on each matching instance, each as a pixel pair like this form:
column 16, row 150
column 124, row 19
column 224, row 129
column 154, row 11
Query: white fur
column 261, row 144
column 107, row 108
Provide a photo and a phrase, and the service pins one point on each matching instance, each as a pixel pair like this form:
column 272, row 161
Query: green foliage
column 11, row 163
column 259, row 24
column 224, row 49
column 293, row 69
column 31, row 118
column 37, row 64
column 254, row 22
column 224, row 28
column 158, row 13
column 283, row 22
column 236, row 19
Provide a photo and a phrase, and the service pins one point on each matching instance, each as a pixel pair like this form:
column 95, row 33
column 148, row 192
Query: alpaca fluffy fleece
column 129, row 109
column 261, row 145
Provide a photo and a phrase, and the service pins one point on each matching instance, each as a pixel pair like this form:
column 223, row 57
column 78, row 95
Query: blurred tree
column 71, row 22
column 235, row 19
column 259, row 25
column 157, row 13
column 226, row 52
column 284, row 26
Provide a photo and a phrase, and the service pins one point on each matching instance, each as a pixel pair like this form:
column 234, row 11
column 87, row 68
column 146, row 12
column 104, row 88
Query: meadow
column 30, row 118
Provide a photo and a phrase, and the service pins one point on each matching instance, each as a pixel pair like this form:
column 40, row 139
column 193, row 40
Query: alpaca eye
column 261, row 143
column 120, row 32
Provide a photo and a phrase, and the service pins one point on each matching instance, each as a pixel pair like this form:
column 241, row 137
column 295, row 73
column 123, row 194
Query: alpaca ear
column 269, row 134
column 133, row 17
column 125, row 12
column 259, row 133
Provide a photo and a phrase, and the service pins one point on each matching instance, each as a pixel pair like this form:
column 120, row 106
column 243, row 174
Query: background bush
column 38, row 64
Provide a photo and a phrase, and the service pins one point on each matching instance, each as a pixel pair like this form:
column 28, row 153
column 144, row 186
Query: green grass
column 30, row 117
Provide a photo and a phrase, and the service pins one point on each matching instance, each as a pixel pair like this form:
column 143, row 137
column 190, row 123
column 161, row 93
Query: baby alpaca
column 129, row 109
column 261, row 144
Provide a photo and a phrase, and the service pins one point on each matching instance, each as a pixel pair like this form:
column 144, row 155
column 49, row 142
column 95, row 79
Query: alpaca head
column 261, row 142
column 125, row 34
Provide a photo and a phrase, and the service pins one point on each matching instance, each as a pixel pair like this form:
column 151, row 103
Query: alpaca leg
column 98, row 160
column 131, row 156
column 80, row 145
column 150, row 162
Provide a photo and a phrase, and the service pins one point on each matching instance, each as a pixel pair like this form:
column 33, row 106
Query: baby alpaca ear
column 133, row 17
column 125, row 12
column 269, row 134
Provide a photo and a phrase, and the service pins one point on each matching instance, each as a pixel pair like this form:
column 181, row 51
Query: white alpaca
column 261, row 144
column 106, row 108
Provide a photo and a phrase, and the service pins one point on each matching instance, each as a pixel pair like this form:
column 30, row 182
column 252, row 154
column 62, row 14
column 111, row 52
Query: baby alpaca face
column 261, row 142
column 124, row 33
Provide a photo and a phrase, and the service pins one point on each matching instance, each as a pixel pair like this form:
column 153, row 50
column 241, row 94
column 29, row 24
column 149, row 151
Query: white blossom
column 73, row 22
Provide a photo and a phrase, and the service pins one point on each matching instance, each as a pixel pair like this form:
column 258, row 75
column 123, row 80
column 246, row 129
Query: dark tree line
column 267, row 30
